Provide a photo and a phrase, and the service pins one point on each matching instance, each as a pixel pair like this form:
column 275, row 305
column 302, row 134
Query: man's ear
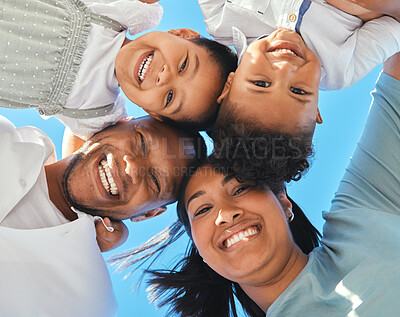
column 319, row 118
column 226, row 88
column 287, row 205
column 155, row 115
column 187, row 34
column 150, row 214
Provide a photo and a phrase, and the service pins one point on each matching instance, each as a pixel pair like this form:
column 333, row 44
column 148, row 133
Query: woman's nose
column 228, row 215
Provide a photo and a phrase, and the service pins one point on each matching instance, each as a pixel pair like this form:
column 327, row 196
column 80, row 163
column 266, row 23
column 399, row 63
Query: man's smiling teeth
column 240, row 236
column 283, row 50
column 106, row 178
column 144, row 66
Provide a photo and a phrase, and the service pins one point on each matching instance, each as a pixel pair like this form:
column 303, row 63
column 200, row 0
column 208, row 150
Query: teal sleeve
column 372, row 179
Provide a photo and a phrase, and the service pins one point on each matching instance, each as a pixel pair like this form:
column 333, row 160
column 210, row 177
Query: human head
column 175, row 76
column 131, row 169
column 275, row 85
column 202, row 291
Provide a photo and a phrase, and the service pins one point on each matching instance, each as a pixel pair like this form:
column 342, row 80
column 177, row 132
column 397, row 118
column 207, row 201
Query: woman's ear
column 287, row 205
column 187, row 34
column 226, row 88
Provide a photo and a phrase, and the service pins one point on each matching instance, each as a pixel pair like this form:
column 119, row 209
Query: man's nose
column 227, row 215
column 133, row 168
column 164, row 75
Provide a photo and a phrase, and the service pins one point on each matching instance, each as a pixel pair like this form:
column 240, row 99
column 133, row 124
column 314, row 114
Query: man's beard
column 69, row 196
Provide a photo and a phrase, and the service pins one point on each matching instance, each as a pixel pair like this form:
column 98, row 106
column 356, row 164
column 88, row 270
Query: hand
column 110, row 240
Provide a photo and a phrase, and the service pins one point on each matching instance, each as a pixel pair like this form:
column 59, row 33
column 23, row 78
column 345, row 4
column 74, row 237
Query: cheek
column 202, row 238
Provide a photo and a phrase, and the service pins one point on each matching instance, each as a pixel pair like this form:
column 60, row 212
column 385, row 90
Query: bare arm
column 392, row 66
column 71, row 143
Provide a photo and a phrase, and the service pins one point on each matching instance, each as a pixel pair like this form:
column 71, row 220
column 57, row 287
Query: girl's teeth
column 143, row 66
column 106, row 178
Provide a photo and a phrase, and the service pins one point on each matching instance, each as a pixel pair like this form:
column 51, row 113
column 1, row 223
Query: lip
column 289, row 46
column 227, row 233
column 137, row 66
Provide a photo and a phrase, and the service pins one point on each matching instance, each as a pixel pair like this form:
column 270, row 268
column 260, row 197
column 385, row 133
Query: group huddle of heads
column 260, row 154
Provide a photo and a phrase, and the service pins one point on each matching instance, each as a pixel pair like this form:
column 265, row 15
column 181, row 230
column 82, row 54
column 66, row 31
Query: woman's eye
column 261, row 83
column 298, row 91
column 183, row 65
column 202, row 211
column 169, row 97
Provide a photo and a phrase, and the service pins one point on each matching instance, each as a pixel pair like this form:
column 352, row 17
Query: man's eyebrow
column 194, row 196
column 192, row 75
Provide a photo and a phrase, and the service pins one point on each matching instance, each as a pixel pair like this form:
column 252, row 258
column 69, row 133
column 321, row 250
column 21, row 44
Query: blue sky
column 344, row 113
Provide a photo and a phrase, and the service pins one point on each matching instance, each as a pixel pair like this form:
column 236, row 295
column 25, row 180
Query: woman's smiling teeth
column 240, row 236
column 106, row 178
column 144, row 66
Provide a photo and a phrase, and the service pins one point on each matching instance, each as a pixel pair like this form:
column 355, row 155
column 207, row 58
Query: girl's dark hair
column 192, row 288
column 226, row 61
column 259, row 156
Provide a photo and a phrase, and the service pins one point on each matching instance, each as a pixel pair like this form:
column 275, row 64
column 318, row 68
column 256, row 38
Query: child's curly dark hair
column 264, row 158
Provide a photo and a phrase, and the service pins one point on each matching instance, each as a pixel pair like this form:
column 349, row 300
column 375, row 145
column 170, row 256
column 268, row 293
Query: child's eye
column 298, row 91
column 184, row 65
column 169, row 97
column 261, row 83
column 240, row 190
column 202, row 211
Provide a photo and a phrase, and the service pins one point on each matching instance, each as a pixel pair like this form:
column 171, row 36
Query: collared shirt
column 51, row 267
column 347, row 48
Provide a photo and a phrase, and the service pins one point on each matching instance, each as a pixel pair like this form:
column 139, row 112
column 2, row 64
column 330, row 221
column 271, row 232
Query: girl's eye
column 240, row 190
column 183, row 65
column 169, row 97
column 261, row 83
column 298, row 91
column 202, row 211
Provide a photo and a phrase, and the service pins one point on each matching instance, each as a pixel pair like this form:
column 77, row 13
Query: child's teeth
column 143, row 66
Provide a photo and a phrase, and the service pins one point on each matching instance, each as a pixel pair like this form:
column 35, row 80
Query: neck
column 265, row 293
column 54, row 175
